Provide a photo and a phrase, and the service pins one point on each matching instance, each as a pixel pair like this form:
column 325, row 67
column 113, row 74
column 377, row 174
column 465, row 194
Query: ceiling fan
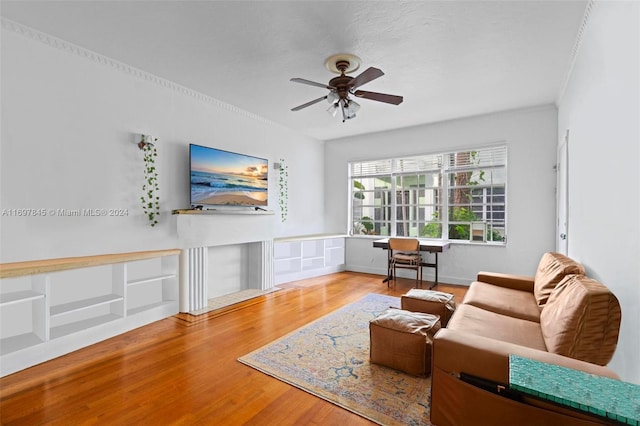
column 343, row 86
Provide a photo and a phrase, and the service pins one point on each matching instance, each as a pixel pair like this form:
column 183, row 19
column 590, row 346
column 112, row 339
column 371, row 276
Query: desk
column 429, row 246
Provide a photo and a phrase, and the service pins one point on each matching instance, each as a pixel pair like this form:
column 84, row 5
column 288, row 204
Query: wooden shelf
column 33, row 267
column 114, row 300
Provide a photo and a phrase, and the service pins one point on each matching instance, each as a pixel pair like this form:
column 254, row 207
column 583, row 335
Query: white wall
column 530, row 135
column 68, row 123
column 600, row 107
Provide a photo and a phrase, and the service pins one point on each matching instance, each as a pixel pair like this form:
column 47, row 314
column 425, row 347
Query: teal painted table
column 602, row 396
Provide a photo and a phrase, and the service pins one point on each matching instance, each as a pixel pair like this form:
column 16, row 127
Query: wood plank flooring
column 183, row 370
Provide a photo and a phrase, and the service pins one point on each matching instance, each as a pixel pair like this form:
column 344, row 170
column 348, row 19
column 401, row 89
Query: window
column 452, row 196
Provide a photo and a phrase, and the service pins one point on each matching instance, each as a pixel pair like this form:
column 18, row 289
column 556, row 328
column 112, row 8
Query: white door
column 562, row 196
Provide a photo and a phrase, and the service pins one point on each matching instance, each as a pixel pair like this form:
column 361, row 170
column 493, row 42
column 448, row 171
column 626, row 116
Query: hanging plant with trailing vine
column 283, row 185
column 150, row 189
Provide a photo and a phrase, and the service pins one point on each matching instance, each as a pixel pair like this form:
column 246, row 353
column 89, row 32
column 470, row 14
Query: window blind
column 370, row 168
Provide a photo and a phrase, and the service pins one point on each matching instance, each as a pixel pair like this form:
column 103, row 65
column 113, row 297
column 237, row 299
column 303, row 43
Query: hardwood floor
column 184, row 370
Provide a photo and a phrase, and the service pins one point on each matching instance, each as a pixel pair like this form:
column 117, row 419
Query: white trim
column 575, row 49
column 383, row 272
column 444, row 171
column 68, row 47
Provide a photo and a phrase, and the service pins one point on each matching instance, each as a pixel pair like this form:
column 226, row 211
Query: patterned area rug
column 329, row 358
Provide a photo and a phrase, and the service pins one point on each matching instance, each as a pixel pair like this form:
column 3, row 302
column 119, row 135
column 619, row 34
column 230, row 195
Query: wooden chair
column 405, row 254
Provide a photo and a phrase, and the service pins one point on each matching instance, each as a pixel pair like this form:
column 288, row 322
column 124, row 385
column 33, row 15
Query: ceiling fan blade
column 312, row 83
column 366, row 76
column 381, row 97
column 315, row 101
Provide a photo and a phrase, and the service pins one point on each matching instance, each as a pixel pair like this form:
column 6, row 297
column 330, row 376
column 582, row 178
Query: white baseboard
column 427, row 276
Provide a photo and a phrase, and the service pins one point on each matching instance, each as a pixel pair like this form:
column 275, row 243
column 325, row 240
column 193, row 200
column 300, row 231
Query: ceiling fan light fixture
column 352, row 108
column 348, row 112
column 332, row 97
column 341, row 87
column 333, row 109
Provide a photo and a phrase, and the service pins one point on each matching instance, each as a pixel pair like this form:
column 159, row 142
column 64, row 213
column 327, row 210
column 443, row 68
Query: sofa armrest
column 457, row 351
column 517, row 282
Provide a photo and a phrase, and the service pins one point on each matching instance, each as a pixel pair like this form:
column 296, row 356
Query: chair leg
column 389, row 276
column 395, row 277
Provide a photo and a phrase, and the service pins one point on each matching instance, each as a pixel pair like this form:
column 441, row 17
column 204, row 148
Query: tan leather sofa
column 559, row 316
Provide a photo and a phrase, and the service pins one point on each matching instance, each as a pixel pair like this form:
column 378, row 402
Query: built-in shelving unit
column 297, row 258
column 52, row 307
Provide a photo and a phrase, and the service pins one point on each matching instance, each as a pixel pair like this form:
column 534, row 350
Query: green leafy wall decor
column 150, row 189
column 283, row 185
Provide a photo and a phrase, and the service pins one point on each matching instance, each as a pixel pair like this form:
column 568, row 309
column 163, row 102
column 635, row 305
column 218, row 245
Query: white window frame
column 492, row 159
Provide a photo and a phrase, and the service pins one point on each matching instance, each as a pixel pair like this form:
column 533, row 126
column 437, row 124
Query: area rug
column 329, row 358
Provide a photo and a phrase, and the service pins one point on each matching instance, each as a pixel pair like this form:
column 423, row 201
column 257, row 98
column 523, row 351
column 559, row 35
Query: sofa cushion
column 503, row 300
column 553, row 267
column 581, row 320
column 474, row 320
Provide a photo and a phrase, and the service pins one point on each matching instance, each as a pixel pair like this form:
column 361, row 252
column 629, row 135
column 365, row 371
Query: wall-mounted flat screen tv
column 224, row 178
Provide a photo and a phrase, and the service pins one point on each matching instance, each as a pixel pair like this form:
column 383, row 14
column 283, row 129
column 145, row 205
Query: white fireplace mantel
column 197, row 232
column 211, row 228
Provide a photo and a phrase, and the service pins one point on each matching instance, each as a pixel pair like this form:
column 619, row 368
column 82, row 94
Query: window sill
column 453, row 242
column 478, row 243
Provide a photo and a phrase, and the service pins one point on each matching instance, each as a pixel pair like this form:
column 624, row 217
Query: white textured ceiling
column 448, row 59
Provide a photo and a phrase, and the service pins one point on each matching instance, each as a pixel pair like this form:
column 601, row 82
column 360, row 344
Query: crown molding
column 576, row 48
column 68, row 47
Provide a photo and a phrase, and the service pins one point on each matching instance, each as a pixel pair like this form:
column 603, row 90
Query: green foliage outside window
column 367, row 223
column 459, row 231
column 462, row 231
column 454, row 188
column 365, row 226
column 432, row 229
column 360, row 187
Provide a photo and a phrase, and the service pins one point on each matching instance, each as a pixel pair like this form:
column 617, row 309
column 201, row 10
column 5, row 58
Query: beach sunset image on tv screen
column 226, row 178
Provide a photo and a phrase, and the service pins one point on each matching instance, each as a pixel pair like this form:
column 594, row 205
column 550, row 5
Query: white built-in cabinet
column 52, row 307
column 297, row 258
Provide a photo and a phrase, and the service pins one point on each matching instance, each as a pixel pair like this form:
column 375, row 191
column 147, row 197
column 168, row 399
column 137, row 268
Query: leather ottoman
column 402, row 340
column 430, row 302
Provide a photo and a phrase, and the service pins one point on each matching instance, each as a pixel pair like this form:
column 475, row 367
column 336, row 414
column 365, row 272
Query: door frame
column 562, row 195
